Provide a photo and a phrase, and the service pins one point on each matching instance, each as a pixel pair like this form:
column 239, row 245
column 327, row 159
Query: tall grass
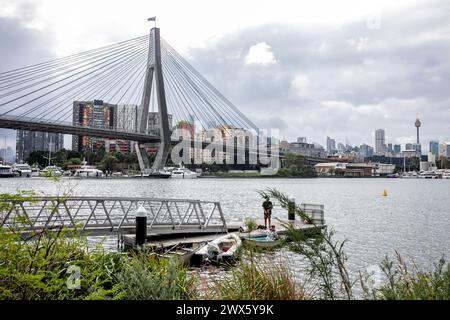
column 146, row 278
column 405, row 284
column 255, row 279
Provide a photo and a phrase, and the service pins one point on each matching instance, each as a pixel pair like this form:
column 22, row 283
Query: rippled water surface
column 413, row 218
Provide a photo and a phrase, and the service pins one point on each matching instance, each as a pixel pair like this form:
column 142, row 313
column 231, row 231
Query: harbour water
column 414, row 218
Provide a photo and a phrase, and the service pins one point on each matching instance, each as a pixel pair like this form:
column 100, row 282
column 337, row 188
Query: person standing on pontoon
column 267, row 206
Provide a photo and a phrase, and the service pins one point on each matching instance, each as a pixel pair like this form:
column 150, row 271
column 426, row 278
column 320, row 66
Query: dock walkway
column 161, row 240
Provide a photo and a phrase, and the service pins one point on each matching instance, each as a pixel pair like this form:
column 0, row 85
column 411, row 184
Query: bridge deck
column 11, row 122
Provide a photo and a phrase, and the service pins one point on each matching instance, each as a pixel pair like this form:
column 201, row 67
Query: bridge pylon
column 154, row 73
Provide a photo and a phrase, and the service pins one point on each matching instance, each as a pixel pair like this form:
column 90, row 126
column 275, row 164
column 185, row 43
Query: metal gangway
column 109, row 215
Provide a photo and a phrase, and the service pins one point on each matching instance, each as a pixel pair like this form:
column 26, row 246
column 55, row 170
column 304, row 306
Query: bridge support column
column 142, row 156
column 154, row 69
column 164, row 147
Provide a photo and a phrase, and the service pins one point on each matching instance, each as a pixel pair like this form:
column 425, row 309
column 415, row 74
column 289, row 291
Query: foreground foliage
column 146, row 278
column 255, row 279
column 58, row 264
column 37, row 269
column 405, row 284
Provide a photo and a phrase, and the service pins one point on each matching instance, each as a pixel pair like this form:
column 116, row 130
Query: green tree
column 60, row 157
column 72, row 161
column 119, row 156
column 296, row 165
column 73, row 154
column 100, row 154
column 89, row 156
column 38, row 157
column 293, row 170
column 109, row 162
column 308, row 172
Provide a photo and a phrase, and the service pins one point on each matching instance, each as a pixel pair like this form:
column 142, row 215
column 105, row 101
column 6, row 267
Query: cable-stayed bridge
column 145, row 71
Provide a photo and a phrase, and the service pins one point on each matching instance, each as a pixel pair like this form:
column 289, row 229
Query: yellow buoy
column 384, row 194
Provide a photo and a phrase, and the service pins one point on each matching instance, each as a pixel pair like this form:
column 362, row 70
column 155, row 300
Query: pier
column 102, row 216
column 169, row 221
column 162, row 240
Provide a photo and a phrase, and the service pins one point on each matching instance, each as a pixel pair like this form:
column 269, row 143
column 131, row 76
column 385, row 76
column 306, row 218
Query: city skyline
column 277, row 68
column 385, row 140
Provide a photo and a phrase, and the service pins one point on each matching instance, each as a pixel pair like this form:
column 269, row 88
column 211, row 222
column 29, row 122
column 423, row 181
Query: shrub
column 146, row 278
column 403, row 284
column 262, row 280
column 36, row 269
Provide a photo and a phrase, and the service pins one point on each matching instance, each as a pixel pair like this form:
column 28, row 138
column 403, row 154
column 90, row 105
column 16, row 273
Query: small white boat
column 184, row 173
column 6, row 171
column 220, row 250
column 22, row 170
column 35, row 172
column 88, row 172
column 182, row 253
column 263, row 240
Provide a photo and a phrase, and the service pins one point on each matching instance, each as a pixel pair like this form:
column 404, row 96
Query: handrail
column 110, row 214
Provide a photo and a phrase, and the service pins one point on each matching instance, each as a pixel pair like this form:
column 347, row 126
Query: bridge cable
column 62, row 67
column 113, row 55
column 199, row 96
column 82, row 87
column 100, row 65
column 102, row 84
column 46, row 64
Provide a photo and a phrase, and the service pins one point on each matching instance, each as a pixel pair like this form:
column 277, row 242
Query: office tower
column 153, row 121
column 380, row 145
column 434, row 147
column 366, row 150
column 96, row 114
column 29, row 141
column 331, row 145
column 127, row 117
column 389, row 147
column 418, row 148
column 442, row 150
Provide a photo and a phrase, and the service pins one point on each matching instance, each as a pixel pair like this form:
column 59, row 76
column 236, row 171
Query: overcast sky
column 309, row 68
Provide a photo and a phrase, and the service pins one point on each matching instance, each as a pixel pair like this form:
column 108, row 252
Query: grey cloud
column 20, row 46
column 399, row 72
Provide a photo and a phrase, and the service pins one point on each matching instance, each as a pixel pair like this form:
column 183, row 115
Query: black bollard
column 291, row 209
column 141, row 226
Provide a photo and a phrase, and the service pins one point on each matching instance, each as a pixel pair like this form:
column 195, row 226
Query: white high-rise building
column 127, row 117
column 443, row 150
column 380, row 141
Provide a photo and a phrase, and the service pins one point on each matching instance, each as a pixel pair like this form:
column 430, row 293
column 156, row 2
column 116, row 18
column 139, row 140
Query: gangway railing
column 315, row 212
column 108, row 215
